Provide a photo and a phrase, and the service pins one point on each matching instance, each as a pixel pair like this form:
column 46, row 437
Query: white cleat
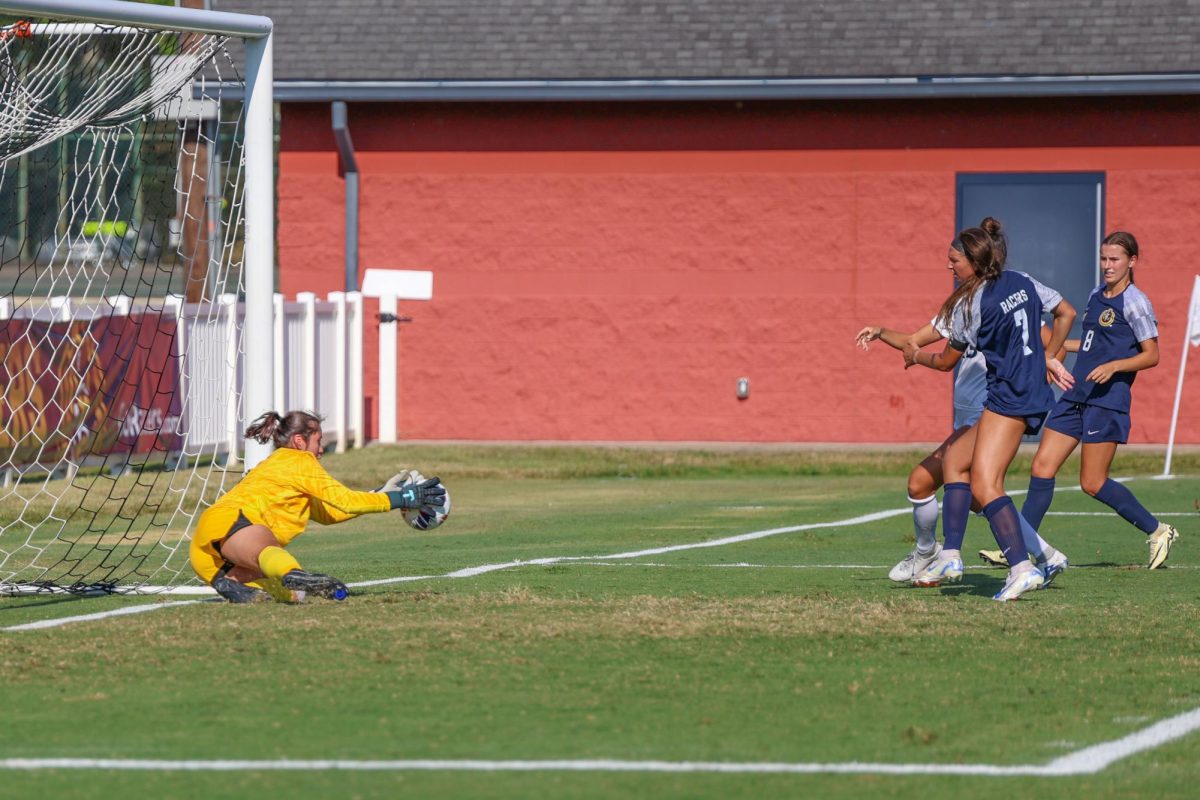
column 1053, row 568
column 1160, row 544
column 1017, row 585
column 943, row 569
column 913, row 564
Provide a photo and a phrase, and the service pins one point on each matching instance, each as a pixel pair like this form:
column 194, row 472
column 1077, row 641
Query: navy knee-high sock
column 1037, row 502
column 956, row 510
column 1124, row 503
column 1002, row 515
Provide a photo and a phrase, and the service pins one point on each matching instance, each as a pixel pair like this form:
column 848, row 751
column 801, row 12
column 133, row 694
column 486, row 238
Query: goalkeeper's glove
column 397, row 480
column 418, row 495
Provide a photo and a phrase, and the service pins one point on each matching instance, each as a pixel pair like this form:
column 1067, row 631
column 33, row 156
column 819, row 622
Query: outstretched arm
column 896, row 339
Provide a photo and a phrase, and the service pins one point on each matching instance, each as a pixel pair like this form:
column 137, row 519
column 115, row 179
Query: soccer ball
column 423, row 519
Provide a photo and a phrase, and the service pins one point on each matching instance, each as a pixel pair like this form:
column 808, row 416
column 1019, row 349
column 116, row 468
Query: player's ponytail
column 986, row 249
column 1127, row 242
column 279, row 429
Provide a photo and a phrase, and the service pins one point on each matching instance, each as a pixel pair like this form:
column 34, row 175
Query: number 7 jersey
column 1003, row 322
column 1113, row 328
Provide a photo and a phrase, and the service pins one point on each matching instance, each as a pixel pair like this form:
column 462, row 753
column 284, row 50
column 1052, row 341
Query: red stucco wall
column 617, row 292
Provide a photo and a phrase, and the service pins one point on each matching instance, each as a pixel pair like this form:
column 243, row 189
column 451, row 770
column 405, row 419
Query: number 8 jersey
column 1113, row 327
column 1003, row 322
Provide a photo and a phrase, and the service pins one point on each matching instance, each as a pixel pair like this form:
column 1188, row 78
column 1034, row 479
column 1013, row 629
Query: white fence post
column 279, row 347
column 340, row 361
column 388, row 334
column 309, row 352
column 60, row 309
column 229, row 307
column 354, row 366
column 173, row 304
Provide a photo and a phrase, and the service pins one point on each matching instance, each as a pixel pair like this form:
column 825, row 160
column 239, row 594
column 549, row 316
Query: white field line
column 471, row 572
column 748, row 565
column 1087, row 761
column 119, row 612
column 1113, row 513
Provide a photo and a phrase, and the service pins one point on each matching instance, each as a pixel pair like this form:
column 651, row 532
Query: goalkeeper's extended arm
column 418, row 495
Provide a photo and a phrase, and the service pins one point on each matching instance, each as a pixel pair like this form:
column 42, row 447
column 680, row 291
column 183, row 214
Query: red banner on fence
column 108, row 385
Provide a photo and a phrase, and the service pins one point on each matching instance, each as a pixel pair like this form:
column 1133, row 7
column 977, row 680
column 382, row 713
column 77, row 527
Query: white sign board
column 165, row 72
column 403, row 284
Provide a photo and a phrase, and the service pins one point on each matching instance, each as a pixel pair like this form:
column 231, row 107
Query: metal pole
column 257, row 336
column 143, row 15
column 345, row 146
column 1193, row 304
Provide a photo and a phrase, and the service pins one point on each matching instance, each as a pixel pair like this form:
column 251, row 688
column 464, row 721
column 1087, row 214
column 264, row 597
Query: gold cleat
column 993, row 558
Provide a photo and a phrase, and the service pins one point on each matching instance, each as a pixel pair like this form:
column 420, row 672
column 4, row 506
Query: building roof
column 556, row 40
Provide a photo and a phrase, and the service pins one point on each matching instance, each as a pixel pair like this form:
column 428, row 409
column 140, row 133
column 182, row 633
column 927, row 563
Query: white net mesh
column 120, row 273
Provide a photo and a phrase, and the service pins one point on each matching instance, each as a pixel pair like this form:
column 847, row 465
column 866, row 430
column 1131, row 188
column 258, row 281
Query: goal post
column 137, row 261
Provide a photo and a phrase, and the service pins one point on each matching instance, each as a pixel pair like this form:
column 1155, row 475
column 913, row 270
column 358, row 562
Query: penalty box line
column 1088, row 761
column 470, row 572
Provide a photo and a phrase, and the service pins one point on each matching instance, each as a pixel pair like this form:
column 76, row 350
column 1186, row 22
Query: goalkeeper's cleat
column 236, row 592
column 1160, row 544
column 941, row 570
column 1019, row 584
column 994, row 558
column 1053, row 568
column 314, row 583
column 912, row 564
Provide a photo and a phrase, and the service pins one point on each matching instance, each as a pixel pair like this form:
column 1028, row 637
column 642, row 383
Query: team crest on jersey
column 1107, row 318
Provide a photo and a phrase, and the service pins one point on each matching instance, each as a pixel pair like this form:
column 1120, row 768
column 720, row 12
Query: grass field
column 631, row 641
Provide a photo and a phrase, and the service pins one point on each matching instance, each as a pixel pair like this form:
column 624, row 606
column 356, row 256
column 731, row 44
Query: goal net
column 122, row 297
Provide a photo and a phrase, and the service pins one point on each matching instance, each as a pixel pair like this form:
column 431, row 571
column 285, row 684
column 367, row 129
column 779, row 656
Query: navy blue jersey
column 1003, row 321
column 1113, row 327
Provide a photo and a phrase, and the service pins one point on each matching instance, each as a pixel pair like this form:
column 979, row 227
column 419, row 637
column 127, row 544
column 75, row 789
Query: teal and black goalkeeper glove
column 418, row 495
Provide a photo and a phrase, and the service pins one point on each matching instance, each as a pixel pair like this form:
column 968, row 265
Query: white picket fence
column 318, row 364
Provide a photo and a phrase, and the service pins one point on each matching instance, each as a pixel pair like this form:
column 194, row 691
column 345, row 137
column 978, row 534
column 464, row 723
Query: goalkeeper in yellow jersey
column 238, row 547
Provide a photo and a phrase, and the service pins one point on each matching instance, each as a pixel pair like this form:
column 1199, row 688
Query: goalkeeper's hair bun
column 279, row 429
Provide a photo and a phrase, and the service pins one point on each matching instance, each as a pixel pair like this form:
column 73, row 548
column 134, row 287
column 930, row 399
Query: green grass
column 663, row 657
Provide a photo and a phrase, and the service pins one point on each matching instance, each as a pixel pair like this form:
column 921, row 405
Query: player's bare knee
column 985, row 491
column 1091, row 486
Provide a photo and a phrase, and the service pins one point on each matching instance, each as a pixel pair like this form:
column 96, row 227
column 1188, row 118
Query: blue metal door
column 1054, row 222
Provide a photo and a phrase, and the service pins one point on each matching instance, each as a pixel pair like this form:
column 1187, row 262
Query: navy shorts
column 1089, row 424
column 1033, row 422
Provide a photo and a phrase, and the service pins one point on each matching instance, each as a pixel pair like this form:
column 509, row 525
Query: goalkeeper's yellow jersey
column 290, row 487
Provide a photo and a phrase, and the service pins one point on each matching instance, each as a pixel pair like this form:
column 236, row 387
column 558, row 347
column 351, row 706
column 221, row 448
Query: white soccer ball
column 424, row 519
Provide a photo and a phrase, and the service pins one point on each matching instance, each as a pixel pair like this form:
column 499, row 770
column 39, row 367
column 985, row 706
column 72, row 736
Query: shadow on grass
column 34, row 601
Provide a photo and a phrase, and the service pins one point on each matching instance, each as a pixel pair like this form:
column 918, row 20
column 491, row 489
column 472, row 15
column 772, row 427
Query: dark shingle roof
column 614, row 39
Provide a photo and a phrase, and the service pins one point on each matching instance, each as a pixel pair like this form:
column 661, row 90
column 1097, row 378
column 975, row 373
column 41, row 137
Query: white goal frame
column 259, row 150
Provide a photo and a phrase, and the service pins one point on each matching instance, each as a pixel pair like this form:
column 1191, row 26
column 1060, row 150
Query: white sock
column 925, row 517
column 1034, row 543
column 1020, row 569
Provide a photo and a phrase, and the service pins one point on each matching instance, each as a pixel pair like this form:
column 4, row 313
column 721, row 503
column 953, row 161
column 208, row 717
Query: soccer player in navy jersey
column 1120, row 338
column 998, row 313
column 950, row 461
